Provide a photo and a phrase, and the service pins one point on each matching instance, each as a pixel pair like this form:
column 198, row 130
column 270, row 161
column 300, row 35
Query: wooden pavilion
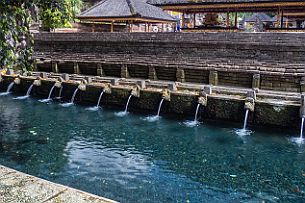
column 211, row 8
column 127, row 12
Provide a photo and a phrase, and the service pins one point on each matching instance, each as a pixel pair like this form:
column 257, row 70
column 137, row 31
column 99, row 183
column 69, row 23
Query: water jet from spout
column 27, row 94
column 125, row 112
column 8, row 91
column 95, row 108
column 72, row 100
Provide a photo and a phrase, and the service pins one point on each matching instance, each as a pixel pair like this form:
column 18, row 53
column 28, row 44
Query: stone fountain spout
column 83, row 85
column 250, row 101
column 166, row 95
column 106, row 88
column 250, row 104
column 37, row 82
column 58, row 84
column 17, row 80
column 136, row 91
column 203, row 95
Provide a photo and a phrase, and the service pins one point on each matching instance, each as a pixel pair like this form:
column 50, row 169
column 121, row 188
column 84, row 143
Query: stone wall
column 270, row 110
column 271, row 61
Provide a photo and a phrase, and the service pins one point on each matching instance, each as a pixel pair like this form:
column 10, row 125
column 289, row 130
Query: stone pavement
column 17, row 187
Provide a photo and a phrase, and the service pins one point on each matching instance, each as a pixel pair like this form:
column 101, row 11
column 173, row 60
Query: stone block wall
column 271, row 61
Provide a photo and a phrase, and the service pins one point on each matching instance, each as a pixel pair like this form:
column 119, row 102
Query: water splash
column 302, row 128
column 27, row 94
column 300, row 140
column 60, row 93
column 72, row 100
column 125, row 112
column 156, row 117
column 8, row 91
column 95, row 108
column 49, row 97
column 244, row 131
column 195, row 122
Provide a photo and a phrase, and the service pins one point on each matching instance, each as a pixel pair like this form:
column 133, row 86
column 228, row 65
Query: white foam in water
column 22, row 97
column 8, row 91
column 152, row 118
column 44, row 100
column 191, row 124
column 243, row 132
column 67, row 104
column 298, row 140
column 121, row 113
column 4, row 94
column 94, row 108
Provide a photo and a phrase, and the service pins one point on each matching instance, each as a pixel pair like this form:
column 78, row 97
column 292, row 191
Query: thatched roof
column 125, row 10
column 261, row 16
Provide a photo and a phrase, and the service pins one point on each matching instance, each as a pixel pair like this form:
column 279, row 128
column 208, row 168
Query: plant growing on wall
column 16, row 41
column 15, row 37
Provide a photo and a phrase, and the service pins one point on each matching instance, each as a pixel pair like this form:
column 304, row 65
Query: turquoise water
column 129, row 159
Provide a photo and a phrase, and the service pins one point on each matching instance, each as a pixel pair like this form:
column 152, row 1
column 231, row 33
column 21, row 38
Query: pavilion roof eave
column 125, row 19
column 233, row 6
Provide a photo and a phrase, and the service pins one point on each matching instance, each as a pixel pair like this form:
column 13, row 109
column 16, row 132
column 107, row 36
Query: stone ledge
column 20, row 187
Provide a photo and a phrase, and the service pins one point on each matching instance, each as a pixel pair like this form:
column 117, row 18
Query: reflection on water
column 131, row 160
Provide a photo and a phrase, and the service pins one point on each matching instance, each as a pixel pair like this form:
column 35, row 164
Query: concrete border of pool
column 16, row 186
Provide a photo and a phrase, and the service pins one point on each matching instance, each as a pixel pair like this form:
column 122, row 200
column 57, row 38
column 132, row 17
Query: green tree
column 16, row 41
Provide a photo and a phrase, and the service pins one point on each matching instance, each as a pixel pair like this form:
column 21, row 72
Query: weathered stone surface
column 18, row 187
column 277, row 57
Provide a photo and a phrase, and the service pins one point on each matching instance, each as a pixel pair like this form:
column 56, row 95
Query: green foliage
column 51, row 18
column 15, row 38
column 16, row 41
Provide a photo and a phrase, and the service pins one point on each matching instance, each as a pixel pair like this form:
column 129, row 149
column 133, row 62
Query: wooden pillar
column 131, row 26
column 148, row 27
column 152, row 75
column 124, row 71
column 256, row 81
column 111, row 27
column 54, row 66
column 282, row 18
column 99, row 70
column 213, row 77
column 194, row 23
column 228, row 19
column 287, row 22
column 180, row 75
column 278, row 18
column 235, row 23
column 182, row 21
column 76, row 68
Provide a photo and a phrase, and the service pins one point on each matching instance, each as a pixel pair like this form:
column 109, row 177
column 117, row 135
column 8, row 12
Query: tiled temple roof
column 177, row 2
column 116, row 9
column 261, row 16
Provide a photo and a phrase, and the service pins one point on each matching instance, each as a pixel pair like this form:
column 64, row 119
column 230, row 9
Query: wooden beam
column 240, row 6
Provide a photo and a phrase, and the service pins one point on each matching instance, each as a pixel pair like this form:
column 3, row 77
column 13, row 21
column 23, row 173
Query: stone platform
column 17, row 187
